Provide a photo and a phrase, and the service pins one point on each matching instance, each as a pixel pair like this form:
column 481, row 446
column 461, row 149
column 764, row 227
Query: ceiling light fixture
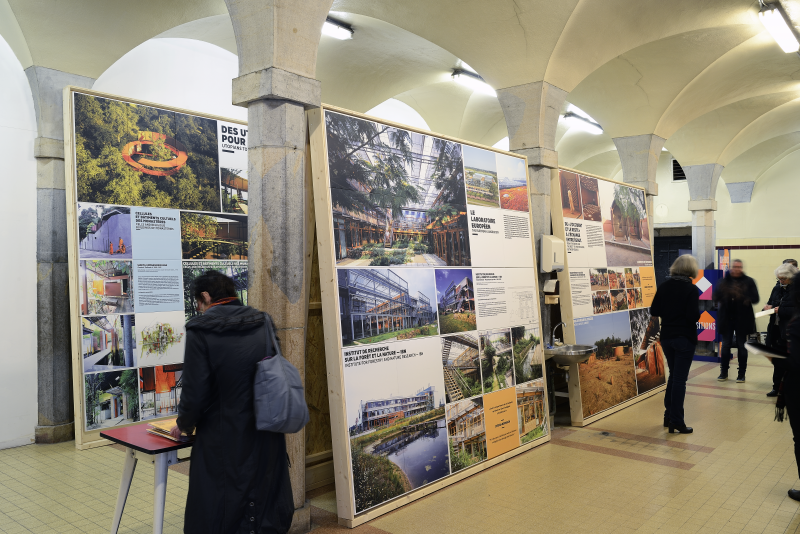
column 337, row 29
column 774, row 19
column 585, row 124
column 473, row 81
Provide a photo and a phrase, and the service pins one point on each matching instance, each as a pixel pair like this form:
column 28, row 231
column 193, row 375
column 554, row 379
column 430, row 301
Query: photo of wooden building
column 466, row 429
column 531, row 410
column 106, row 286
column 160, row 390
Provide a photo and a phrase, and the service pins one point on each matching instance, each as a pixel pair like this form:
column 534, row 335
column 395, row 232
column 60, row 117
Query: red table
column 140, row 444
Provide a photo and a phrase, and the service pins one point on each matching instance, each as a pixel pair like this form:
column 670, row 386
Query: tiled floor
column 621, row 475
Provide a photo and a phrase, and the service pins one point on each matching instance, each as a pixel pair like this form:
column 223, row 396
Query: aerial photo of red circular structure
column 148, row 166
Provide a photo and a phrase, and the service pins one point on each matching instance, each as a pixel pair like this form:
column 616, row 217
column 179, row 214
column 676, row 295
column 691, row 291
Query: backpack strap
column 270, row 338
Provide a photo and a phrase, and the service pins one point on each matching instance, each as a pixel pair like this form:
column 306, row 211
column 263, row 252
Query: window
column 677, row 172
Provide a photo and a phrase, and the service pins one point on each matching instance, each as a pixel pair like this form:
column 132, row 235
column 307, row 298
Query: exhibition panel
column 155, row 197
column 434, row 351
column 607, row 286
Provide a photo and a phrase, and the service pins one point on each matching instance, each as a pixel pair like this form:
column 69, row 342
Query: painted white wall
column 672, row 203
column 18, row 382
column 396, row 111
column 188, row 74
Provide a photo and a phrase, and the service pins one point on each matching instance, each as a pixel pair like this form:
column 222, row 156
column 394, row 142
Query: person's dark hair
column 216, row 284
column 793, row 262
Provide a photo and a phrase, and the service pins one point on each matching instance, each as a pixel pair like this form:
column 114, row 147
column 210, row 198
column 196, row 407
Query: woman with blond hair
column 677, row 304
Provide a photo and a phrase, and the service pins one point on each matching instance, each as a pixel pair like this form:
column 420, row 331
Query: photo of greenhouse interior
column 655, row 129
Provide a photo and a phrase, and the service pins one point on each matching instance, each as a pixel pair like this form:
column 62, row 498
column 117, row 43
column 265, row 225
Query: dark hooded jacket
column 239, row 476
column 736, row 297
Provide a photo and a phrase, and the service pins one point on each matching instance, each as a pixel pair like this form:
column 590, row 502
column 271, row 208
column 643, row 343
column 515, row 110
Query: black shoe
column 740, row 379
column 794, row 494
column 773, row 393
column 723, row 377
column 681, row 430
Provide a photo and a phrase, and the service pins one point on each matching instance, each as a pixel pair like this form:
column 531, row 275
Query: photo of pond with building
column 234, row 190
column 462, row 376
column 236, row 270
column 625, row 227
column 397, row 197
column 647, row 352
column 386, row 305
column 480, row 168
column 455, row 296
column 528, row 353
column 210, row 236
column 160, row 390
column 106, row 287
column 466, row 429
column 104, row 232
column 108, row 342
column 513, row 180
column 497, row 362
column 531, row 410
column 111, row 398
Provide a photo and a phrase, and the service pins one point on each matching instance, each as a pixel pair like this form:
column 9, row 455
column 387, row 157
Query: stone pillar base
column 55, row 433
column 301, row 522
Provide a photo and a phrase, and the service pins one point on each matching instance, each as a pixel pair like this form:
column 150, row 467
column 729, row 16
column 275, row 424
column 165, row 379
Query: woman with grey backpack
column 239, row 475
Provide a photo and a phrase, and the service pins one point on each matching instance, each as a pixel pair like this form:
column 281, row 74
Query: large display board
column 429, row 288
column 606, row 288
column 155, row 197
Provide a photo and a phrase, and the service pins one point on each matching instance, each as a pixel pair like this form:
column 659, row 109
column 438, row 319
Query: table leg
column 124, row 487
column 160, row 491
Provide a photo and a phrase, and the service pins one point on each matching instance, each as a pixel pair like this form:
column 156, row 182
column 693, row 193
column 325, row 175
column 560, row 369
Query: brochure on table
column 607, row 286
column 155, row 197
column 434, row 354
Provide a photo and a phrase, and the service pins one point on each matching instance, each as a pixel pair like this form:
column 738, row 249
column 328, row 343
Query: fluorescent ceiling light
column 776, row 25
column 584, row 124
column 337, row 29
column 473, row 81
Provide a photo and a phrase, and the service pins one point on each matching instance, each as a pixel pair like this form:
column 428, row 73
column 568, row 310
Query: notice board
column 155, row 196
column 606, row 288
column 429, row 289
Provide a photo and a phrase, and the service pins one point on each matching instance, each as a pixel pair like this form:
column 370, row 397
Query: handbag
column 278, row 396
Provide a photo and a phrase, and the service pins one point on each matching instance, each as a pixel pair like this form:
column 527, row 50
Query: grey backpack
column 278, row 396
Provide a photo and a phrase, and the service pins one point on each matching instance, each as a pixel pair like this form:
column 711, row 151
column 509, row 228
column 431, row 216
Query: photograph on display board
column 570, row 195
column 616, row 278
column 396, row 420
column 648, row 355
column 497, row 360
column 531, row 410
column 161, row 337
column 632, row 277
column 590, row 199
column 528, row 353
column 631, row 297
column 462, row 375
column 607, row 378
column 599, row 279
column 466, row 429
column 480, row 168
column 137, row 155
column 455, row 298
column 111, row 399
column 233, row 183
column 104, row 232
column 105, row 286
column 235, row 270
column 397, row 196
column 619, row 300
column 108, row 342
column 625, row 227
column 513, row 179
column 160, row 390
column 379, row 305
column 210, row 236
column 601, row 302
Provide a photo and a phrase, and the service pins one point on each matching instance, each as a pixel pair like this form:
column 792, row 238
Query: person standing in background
column 735, row 295
column 676, row 302
column 780, row 298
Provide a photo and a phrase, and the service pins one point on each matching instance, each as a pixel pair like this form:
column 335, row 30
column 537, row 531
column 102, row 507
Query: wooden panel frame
column 567, row 315
column 89, row 439
column 332, row 329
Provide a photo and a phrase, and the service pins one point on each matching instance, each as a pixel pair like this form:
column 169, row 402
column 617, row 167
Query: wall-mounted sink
column 569, row 354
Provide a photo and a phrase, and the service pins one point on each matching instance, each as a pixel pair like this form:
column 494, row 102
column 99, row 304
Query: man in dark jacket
column 735, row 295
column 239, row 476
column 777, row 338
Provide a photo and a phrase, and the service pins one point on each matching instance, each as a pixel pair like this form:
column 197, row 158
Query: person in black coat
column 677, row 303
column 791, row 379
column 239, row 476
column 735, row 295
column 781, row 300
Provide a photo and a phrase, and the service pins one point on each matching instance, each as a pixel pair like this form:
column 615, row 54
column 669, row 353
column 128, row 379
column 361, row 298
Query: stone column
column 639, row 156
column 54, row 367
column 702, row 181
